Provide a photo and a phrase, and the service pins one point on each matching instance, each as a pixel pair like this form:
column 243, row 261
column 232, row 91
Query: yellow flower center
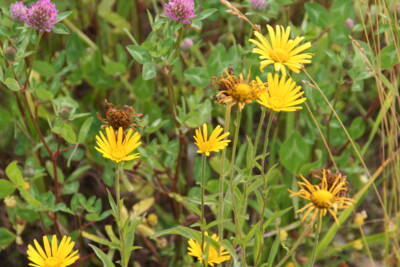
column 277, row 102
column 322, row 198
column 242, row 92
column 279, row 55
column 53, row 262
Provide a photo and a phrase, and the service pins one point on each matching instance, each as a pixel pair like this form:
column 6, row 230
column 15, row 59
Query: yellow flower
column 53, row 255
column 212, row 144
column 325, row 197
column 215, row 256
column 280, row 51
column 281, row 94
column 118, row 147
column 237, row 90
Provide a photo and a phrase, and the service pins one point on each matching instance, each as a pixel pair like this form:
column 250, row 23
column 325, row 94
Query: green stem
column 202, row 219
column 222, row 178
column 264, row 187
column 266, row 140
column 120, row 222
column 258, row 133
column 295, row 245
column 231, row 178
column 314, row 252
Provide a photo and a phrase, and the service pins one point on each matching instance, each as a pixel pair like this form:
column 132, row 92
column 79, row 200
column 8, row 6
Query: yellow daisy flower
column 117, row 146
column 237, row 90
column 213, row 144
column 280, row 51
column 53, row 255
column 281, row 94
column 215, row 256
column 325, row 197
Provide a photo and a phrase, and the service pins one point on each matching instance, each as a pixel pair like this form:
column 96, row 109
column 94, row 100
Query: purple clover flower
column 18, row 11
column 259, row 4
column 180, row 10
column 42, row 15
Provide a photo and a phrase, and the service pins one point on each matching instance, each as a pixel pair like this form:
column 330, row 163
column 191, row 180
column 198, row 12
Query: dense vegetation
column 100, row 100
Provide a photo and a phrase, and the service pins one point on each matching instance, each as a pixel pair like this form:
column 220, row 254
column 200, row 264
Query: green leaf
column 66, row 132
column 388, row 57
column 197, row 76
column 44, row 68
column 6, row 237
column 149, row 71
column 317, row 14
column 107, row 262
column 6, row 188
column 12, row 84
column 205, row 14
column 14, row 174
column 357, row 128
column 140, row 54
column 63, row 15
column 60, row 28
column 294, row 152
column 83, row 132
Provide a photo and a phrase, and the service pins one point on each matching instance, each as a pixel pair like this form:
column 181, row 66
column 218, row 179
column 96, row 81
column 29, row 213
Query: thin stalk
column 258, row 133
column 314, row 252
column 264, row 187
column 266, row 140
column 222, row 178
column 202, row 219
column 295, row 245
column 231, row 177
column 120, row 222
column 366, row 246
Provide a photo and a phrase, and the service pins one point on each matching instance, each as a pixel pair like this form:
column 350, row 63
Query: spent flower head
column 215, row 255
column 53, row 254
column 280, row 51
column 215, row 143
column 237, row 90
column 324, row 197
column 118, row 146
column 18, row 11
column 180, row 10
column 282, row 94
column 42, row 15
column 115, row 117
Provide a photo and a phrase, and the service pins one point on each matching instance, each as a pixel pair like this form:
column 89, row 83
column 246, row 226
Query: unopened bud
column 9, row 53
column 10, row 202
column 358, row 245
column 349, row 23
column 283, row 235
column 360, row 217
column 259, row 4
column 26, row 186
column 152, row 219
column 187, row 43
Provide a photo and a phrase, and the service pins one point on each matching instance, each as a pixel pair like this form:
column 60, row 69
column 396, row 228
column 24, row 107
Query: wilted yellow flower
column 213, row 144
column 53, row 255
column 215, row 256
column 237, row 90
column 280, row 51
column 324, row 197
column 281, row 94
column 118, row 147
